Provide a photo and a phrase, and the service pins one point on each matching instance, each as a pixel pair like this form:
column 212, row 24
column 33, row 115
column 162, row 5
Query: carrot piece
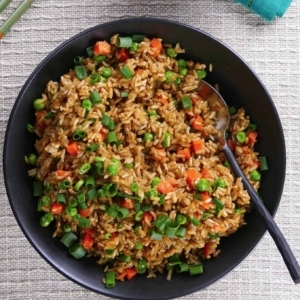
column 130, row 273
column 172, row 180
column 198, row 146
column 164, row 187
column 191, row 176
column 87, row 241
column 252, row 137
column 195, row 98
column 85, row 212
column 184, row 153
column 122, row 275
column 205, row 197
column 101, row 48
column 72, row 148
column 162, row 99
column 57, row 209
column 197, row 123
column 159, row 154
column 206, row 173
column 63, row 173
column 206, row 200
column 128, row 203
column 156, row 45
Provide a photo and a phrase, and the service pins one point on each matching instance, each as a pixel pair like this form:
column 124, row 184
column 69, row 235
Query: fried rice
column 150, row 153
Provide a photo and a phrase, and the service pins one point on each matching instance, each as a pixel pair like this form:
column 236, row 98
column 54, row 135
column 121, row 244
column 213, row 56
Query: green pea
column 183, row 71
column 44, row 221
column 177, row 81
column 32, row 159
column 201, row 74
column 169, row 76
column 241, row 137
column 171, row 52
column 134, row 46
column 106, row 72
column 255, row 175
column 155, row 181
column 87, row 104
column 39, row 104
column 181, row 63
column 148, row 136
column 203, row 185
column 226, row 164
column 49, row 216
column 220, row 182
column 112, row 169
column 151, row 193
column 152, row 113
column 134, row 187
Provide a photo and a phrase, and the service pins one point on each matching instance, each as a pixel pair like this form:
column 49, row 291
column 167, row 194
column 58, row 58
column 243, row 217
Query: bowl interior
column 238, row 85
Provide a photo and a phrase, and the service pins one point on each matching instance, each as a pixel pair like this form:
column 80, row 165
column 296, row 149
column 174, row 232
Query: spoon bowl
column 217, row 103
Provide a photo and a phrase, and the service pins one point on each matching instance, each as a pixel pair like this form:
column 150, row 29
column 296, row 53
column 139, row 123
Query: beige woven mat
column 273, row 50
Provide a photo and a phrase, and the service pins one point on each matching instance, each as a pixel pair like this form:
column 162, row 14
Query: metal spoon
column 223, row 118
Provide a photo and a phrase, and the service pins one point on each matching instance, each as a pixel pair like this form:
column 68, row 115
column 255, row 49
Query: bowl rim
column 100, row 26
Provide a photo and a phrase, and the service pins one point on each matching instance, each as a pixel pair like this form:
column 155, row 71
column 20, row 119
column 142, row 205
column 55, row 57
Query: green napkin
column 268, row 9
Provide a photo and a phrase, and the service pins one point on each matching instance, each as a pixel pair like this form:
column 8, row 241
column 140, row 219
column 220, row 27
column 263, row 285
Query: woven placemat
column 271, row 49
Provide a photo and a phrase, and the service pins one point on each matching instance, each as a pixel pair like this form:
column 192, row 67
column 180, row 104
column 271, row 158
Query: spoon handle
column 272, row 227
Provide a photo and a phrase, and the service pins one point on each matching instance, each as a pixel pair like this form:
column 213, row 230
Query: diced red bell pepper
column 123, row 54
column 85, row 212
column 208, row 249
column 57, row 209
column 252, row 136
column 87, row 241
column 130, row 273
column 147, row 216
column 128, row 203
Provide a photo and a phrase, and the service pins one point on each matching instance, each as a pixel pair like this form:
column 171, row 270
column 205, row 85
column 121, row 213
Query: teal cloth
column 268, row 9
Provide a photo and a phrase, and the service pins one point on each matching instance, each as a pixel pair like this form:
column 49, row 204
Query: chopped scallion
column 95, row 97
column 84, row 222
column 138, row 38
column 77, row 251
column 110, row 279
column 69, row 239
column 126, row 72
column 186, row 102
column 81, row 72
column 124, row 42
column 263, row 163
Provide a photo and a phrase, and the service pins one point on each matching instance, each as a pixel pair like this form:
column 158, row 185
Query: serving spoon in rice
column 216, row 102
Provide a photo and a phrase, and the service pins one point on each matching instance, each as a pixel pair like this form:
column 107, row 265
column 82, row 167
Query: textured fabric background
column 271, row 49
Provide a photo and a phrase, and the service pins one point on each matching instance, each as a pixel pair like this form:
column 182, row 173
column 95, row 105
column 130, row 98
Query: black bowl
column 238, row 85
